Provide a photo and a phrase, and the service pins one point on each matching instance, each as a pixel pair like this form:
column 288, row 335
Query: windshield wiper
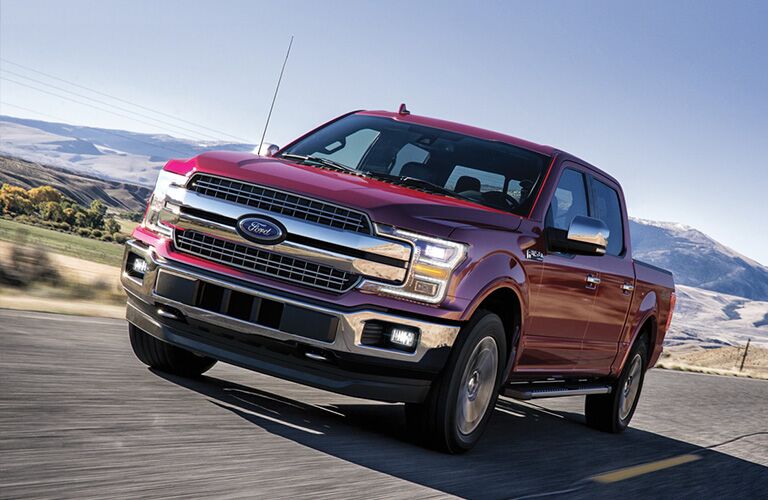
column 325, row 162
column 418, row 183
column 430, row 186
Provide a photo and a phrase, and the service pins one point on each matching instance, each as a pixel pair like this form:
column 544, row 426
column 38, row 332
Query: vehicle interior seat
column 467, row 183
column 418, row 171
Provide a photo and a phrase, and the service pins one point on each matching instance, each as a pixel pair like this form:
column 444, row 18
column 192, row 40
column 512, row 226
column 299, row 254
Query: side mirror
column 267, row 149
column 585, row 236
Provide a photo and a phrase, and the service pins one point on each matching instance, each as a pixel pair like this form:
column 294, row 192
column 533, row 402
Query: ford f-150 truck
column 401, row 258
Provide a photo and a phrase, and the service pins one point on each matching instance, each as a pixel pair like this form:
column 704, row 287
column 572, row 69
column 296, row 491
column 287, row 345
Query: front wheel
column 166, row 357
column 613, row 412
column 457, row 409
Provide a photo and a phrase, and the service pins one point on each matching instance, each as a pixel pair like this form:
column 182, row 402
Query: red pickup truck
column 401, row 258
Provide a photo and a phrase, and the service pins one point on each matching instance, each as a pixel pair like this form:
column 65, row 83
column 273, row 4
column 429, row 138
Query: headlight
column 153, row 220
column 433, row 263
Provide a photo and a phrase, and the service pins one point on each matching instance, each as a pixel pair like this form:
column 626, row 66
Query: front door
column 562, row 301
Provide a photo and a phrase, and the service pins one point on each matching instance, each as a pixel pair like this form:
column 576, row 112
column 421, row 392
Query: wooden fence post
column 744, row 357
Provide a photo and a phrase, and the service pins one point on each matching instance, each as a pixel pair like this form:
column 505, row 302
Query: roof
column 463, row 129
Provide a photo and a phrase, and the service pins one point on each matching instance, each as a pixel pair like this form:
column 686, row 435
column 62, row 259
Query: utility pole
column 744, row 356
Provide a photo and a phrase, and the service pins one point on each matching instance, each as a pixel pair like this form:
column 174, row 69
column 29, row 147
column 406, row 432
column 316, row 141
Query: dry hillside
column 79, row 187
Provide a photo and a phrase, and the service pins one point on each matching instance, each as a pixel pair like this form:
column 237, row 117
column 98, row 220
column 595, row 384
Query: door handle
column 592, row 281
column 627, row 287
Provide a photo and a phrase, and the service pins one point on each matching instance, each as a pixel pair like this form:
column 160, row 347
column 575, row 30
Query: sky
column 671, row 98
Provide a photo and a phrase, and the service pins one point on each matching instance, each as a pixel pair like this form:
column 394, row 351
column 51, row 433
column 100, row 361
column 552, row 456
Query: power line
column 168, row 124
column 124, row 101
column 85, row 104
column 108, row 132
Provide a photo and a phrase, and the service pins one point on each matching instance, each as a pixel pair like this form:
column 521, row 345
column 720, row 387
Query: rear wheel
column 613, row 412
column 166, row 357
column 457, row 409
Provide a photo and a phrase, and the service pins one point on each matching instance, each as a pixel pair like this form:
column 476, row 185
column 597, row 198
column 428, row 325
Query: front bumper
column 292, row 348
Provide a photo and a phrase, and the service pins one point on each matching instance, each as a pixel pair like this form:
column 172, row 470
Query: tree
column 81, row 219
column 111, row 226
column 96, row 214
column 43, row 194
column 15, row 200
column 69, row 215
column 51, row 210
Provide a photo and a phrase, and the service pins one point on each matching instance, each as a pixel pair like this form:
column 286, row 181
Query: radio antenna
column 274, row 98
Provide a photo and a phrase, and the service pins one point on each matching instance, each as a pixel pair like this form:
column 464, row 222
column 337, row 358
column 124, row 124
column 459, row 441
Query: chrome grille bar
column 263, row 262
column 280, row 202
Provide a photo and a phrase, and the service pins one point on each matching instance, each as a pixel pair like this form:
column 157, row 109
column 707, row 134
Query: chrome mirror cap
column 588, row 230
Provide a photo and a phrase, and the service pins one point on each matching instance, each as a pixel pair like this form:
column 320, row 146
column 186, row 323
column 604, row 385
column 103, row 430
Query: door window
column 608, row 210
column 569, row 201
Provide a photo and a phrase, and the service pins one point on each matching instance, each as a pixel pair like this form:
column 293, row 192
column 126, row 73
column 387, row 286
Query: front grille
column 280, row 202
column 263, row 262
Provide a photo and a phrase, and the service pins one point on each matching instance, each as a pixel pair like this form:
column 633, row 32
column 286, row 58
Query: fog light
column 403, row 337
column 140, row 266
column 136, row 266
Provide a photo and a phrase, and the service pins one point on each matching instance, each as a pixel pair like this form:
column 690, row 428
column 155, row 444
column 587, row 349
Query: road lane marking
column 639, row 470
column 510, row 412
column 266, row 417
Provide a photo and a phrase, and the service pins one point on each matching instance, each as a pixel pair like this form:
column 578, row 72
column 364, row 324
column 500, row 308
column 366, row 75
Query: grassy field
column 719, row 361
column 62, row 243
column 126, row 226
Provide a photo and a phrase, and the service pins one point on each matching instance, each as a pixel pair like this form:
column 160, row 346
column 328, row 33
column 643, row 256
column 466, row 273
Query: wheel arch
column 647, row 329
column 504, row 300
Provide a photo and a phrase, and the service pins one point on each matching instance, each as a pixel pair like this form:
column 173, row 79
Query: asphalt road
column 80, row 417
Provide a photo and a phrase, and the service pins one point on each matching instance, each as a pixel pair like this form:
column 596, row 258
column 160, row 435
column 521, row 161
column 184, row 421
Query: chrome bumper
column 348, row 333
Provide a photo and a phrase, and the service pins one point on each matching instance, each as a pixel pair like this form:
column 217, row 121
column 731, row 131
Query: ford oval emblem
column 261, row 230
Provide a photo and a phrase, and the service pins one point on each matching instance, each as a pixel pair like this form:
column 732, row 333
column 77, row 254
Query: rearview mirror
column 585, row 236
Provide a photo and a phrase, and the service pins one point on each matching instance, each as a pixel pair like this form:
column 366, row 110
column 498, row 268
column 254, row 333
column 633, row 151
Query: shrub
column 84, row 231
column 31, row 265
column 96, row 233
column 106, row 237
column 111, row 226
column 121, row 238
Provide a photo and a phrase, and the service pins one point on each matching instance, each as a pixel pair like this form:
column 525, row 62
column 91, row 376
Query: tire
column 166, row 357
column 613, row 412
column 457, row 409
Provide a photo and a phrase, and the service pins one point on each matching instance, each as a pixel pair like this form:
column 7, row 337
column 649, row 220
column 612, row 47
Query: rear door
column 563, row 298
column 617, row 279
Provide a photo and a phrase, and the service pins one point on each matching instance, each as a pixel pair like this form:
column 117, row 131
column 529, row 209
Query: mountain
column 697, row 260
column 710, row 319
column 102, row 153
column 722, row 296
column 81, row 188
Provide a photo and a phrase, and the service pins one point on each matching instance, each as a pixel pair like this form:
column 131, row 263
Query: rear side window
column 569, row 201
column 608, row 210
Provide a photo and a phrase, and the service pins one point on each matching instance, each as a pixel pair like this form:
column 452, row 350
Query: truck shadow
column 526, row 450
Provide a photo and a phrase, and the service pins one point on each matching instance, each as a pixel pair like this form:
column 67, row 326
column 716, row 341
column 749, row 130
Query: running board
column 536, row 391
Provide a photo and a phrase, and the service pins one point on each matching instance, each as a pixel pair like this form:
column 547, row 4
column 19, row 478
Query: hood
column 385, row 203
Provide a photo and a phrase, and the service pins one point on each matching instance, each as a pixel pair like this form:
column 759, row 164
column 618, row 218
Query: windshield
column 492, row 173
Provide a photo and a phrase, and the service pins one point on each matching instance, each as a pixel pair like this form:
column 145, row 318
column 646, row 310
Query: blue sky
column 669, row 97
